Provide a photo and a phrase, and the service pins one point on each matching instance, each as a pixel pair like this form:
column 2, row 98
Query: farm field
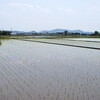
column 87, row 39
column 39, row 71
column 68, row 41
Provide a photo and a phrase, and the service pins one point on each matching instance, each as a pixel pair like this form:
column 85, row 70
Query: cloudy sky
column 39, row 15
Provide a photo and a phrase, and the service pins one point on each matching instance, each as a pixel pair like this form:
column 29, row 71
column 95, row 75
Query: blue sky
column 30, row 15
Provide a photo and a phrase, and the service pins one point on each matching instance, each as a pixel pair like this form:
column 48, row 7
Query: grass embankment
column 5, row 37
column 45, row 36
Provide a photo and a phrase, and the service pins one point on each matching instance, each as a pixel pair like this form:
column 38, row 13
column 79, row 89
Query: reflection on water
column 70, row 42
column 85, row 39
column 38, row 71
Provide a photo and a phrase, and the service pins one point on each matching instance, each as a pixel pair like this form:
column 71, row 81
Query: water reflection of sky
column 39, row 71
column 95, row 44
column 85, row 39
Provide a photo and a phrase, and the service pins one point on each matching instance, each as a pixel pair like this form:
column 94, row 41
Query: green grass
column 54, row 37
column 5, row 37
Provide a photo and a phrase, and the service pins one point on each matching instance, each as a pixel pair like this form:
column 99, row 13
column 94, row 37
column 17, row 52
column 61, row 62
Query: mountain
column 80, row 31
column 44, row 31
column 31, row 32
column 57, row 30
column 76, row 31
column 71, row 31
column 52, row 31
column 62, row 30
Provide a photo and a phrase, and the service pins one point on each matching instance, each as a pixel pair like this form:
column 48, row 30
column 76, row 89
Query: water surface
column 86, row 39
column 94, row 44
column 39, row 71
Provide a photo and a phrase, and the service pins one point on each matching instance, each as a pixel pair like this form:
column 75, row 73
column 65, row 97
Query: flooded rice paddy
column 91, row 44
column 39, row 71
column 86, row 39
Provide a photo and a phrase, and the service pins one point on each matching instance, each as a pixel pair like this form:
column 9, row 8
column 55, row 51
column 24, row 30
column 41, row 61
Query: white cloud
column 70, row 11
column 41, row 8
column 24, row 5
column 15, row 4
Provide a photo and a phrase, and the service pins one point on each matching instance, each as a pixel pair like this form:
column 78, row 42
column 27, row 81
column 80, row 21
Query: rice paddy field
column 81, row 42
column 33, row 70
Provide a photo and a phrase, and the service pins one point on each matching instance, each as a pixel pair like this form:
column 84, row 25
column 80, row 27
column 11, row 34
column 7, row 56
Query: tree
column 5, row 33
column 65, row 32
column 96, row 33
column 0, row 32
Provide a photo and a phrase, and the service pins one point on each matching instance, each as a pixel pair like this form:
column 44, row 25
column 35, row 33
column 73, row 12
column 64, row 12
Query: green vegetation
column 66, row 34
column 4, row 34
column 0, row 42
column 47, row 36
column 96, row 33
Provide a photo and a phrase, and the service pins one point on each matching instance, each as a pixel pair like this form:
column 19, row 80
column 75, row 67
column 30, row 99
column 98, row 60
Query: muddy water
column 39, row 71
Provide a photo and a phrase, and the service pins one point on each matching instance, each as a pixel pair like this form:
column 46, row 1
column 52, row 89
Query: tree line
column 5, row 32
column 95, row 33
